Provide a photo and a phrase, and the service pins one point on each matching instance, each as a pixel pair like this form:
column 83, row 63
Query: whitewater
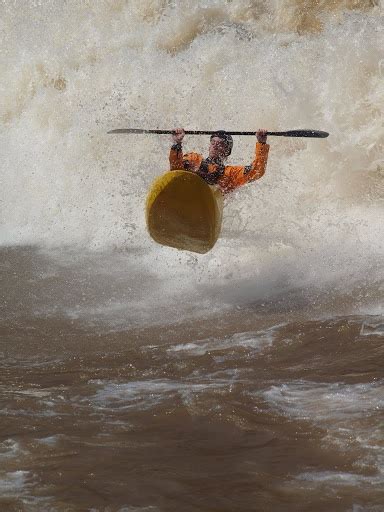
column 265, row 353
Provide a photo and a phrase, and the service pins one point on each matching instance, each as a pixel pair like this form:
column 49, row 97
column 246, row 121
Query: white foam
column 327, row 402
column 34, row 393
column 43, row 403
column 142, row 395
column 9, row 449
column 20, row 486
column 371, row 328
column 14, row 483
column 50, row 441
column 255, row 340
column 333, row 477
column 65, row 181
column 350, row 414
column 366, row 508
column 313, row 222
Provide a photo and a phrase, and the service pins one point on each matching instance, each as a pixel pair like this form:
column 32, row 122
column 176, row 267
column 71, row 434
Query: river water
column 138, row 378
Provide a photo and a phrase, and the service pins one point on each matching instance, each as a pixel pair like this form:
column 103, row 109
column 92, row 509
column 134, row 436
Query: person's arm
column 257, row 169
column 176, row 153
column 235, row 176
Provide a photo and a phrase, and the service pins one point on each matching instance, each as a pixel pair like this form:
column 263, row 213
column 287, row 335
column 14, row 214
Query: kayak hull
column 184, row 212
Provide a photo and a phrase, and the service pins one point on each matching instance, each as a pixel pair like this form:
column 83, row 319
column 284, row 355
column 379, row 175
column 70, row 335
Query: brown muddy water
column 257, row 408
column 136, row 378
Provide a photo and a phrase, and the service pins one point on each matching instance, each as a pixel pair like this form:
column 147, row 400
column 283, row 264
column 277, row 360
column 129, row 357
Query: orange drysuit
column 227, row 177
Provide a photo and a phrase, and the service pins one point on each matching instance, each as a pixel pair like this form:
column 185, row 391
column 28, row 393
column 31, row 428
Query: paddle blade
column 301, row 133
column 131, row 130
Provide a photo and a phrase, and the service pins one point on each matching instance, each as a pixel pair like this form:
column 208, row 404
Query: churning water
column 135, row 377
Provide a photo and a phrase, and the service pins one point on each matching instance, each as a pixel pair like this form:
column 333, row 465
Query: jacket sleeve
column 188, row 162
column 257, row 169
column 235, row 176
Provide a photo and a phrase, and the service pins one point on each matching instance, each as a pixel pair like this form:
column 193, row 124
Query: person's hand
column 178, row 135
column 261, row 136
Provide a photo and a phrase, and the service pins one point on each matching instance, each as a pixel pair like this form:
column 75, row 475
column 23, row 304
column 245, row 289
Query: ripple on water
column 142, row 395
column 351, row 416
column 256, row 340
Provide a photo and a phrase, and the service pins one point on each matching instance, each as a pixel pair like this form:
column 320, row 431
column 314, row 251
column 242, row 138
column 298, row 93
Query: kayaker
column 214, row 169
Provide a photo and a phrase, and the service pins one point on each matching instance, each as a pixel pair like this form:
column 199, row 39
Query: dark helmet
column 221, row 134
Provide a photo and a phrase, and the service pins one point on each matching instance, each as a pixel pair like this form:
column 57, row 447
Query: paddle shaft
column 290, row 133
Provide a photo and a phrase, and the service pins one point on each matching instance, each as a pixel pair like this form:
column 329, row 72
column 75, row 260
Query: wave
column 71, row 75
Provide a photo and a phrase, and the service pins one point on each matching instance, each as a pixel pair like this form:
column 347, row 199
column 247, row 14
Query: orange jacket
column 227, row 177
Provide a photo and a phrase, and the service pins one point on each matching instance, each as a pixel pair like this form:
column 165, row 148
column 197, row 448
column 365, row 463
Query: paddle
column 291, row 133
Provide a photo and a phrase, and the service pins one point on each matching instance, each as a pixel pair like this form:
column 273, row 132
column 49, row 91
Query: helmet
column 221, row 134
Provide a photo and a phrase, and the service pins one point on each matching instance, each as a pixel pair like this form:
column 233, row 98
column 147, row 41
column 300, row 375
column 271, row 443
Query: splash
column 71, row 74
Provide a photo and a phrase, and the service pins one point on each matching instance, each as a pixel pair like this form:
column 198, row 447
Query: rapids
column 134, row 377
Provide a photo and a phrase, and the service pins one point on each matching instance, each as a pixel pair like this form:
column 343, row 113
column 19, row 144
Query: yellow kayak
column 184, row 212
